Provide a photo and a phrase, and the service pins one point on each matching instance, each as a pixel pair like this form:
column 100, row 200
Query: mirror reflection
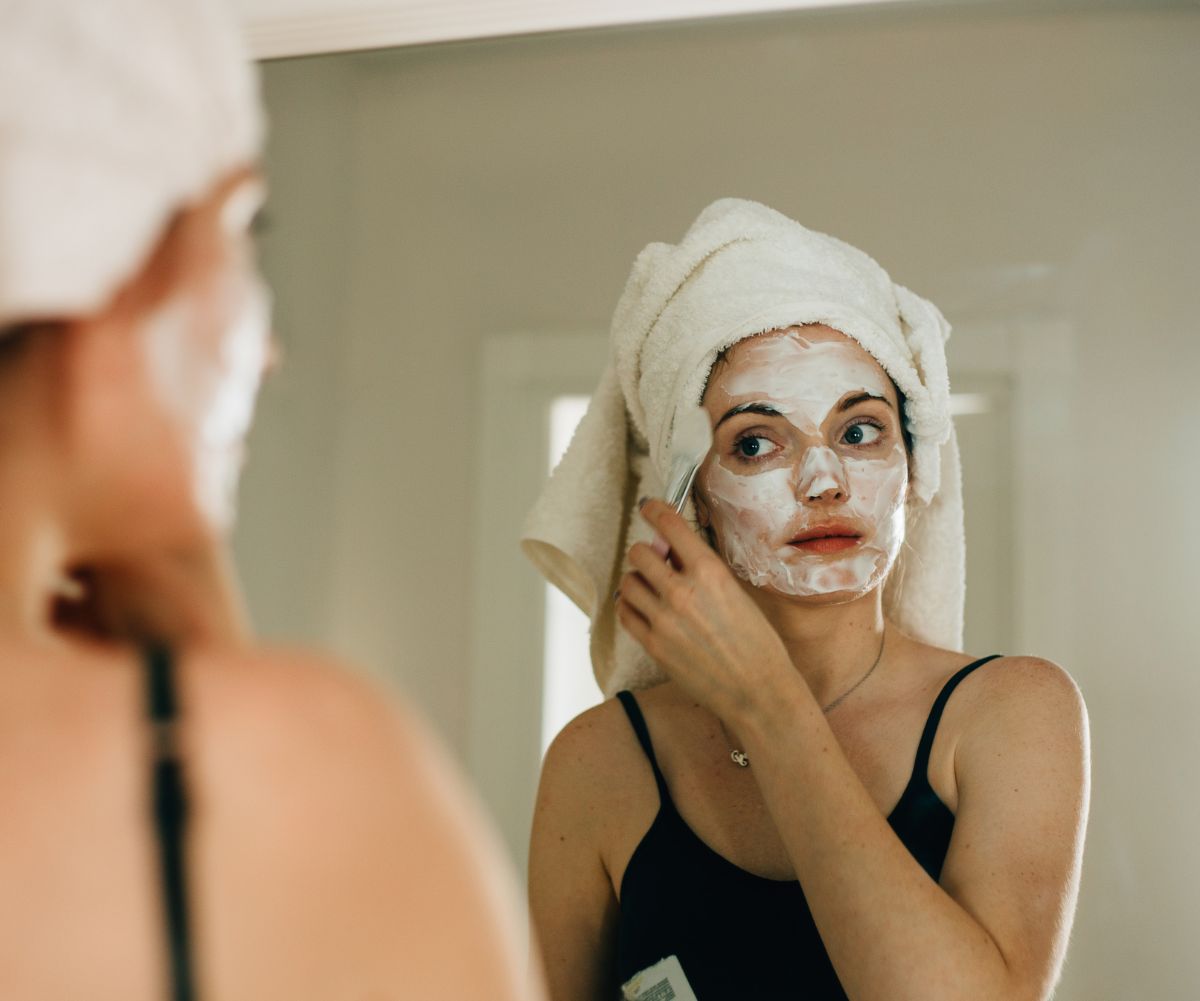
column 451, row 229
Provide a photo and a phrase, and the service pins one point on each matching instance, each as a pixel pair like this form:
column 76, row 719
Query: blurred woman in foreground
column 182, row 807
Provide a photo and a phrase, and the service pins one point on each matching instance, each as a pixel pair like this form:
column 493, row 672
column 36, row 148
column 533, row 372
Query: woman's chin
column 850, row 588
column 845, row 596
column 817, row 580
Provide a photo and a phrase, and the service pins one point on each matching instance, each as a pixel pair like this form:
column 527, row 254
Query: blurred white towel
column 113, row 115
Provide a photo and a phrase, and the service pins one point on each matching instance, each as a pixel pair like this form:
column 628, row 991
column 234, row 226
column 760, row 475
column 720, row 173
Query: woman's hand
column 693, row 617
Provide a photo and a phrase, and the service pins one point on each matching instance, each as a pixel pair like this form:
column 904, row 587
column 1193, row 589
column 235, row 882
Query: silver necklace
column 739, row 758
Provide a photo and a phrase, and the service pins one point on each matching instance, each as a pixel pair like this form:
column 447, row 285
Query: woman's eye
column 862, row 434
column 754, row 447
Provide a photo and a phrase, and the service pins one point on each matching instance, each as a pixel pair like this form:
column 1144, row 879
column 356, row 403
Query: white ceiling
column 278, row 28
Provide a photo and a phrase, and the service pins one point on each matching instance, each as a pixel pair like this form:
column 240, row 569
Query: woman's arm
column 996, row 926
column 571, row 899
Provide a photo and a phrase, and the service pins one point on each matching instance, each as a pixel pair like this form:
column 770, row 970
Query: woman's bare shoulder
column 1019, row 701
column 595, row 747
column 1010, row 682
column 282, row 741
column 316, row 705
column 1004, row 699
column 301, row 750
column 997, row 684
column 601, row 740
column 595, row 773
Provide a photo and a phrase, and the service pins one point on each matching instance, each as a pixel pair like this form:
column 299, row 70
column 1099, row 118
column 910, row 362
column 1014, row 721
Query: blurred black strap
column 170, row 814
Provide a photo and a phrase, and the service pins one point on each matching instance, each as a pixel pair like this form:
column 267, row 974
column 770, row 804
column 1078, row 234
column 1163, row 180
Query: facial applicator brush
column 689, row 447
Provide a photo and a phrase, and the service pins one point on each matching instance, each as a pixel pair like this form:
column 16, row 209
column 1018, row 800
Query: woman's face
column 805, row 486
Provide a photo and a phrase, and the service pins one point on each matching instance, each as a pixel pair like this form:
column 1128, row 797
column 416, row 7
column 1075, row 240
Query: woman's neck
column 34, row 541
column 832, row 645
column 32, row 549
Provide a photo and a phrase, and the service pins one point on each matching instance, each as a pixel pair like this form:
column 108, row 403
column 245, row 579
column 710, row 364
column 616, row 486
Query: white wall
column 285, row 534
column 428, row 197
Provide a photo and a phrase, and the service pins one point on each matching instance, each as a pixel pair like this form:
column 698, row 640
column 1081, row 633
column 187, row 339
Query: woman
column 184, row 810
column 822, row 798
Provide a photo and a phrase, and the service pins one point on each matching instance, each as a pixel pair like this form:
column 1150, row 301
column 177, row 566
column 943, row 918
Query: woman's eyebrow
column 857, row 398
column 749, row 408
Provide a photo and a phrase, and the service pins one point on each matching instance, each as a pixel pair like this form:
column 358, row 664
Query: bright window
column 568, row 686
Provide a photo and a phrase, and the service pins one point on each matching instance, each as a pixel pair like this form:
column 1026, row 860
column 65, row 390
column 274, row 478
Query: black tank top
column 738, row 935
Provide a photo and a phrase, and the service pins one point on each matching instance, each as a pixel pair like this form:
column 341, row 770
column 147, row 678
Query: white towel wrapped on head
column 113, row 115
column 743, row 269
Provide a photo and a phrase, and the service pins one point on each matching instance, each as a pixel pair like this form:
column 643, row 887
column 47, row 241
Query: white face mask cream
column 810, row 501
column 212, row 388
column 208, row 358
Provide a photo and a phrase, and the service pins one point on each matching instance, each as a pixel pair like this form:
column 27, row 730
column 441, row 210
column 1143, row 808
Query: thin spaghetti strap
column 921, row 766
column 638, row 722
column 170, row 815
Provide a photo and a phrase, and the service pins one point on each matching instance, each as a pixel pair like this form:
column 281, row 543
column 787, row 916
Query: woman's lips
column 832, row 537
column 827, row 544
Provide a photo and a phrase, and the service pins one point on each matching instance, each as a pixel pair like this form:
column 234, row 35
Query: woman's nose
column 821, row 476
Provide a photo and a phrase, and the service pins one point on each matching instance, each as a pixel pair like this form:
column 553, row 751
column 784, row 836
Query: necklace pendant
column 739, row 758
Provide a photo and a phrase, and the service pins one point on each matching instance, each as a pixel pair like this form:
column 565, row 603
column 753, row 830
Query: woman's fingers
column 657, row 572
column 634, row 624
column 659, row 601
column 639, row 596
column 685, row 545
column 636, row 603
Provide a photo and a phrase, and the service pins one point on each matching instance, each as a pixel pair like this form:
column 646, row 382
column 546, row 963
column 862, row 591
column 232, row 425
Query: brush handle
column 681, row 485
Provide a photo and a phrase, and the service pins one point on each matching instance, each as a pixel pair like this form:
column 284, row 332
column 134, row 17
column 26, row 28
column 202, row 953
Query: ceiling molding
column 420, row 22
